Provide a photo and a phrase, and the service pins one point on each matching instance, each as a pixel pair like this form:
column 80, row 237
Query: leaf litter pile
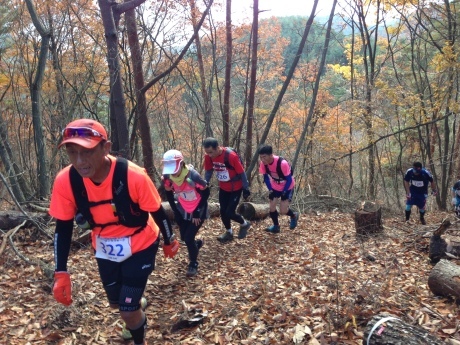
column 317, row 284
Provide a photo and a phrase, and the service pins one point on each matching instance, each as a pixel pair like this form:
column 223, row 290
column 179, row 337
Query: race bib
column 417, row 183
column 223, row 175
column 188, row 195
column 113, row 249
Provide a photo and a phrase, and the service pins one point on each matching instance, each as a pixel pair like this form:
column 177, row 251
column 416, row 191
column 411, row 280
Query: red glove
column 170, row 250
column 62, row 289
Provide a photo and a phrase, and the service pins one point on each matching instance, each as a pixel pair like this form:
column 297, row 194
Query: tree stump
column 444, row 279
column 441, row 248
column 253, row 211
column 387, row 329
column 368, row 218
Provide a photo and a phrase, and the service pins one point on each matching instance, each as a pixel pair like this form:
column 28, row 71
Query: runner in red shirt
column 125, row 243
column 232, row 183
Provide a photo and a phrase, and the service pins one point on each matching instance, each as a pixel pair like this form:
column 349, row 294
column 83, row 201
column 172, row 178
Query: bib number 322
column 113, row 249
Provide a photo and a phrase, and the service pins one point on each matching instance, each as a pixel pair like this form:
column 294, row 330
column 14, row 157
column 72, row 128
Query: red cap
column 96, row 133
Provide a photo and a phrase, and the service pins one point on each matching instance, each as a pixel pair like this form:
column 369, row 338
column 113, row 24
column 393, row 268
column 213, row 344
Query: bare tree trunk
column 369, row 55
column 184, row 50
column 7, row 160
column 252, row 88
column 119, row 131
column 228, row 74
column 311, row 111
column 284, row 87
column 141, row 121
column 199, row 54
column 35, row 92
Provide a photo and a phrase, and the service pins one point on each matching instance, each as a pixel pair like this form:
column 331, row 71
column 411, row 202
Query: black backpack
column 279, row 171
column 128, row 212
column 229, row 150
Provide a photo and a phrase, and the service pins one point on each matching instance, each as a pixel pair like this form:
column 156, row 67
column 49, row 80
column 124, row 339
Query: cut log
column 444, row 279
column 368, row 218
column 387, row 329
column 84, row 237
column 253, row 211
column 213, row 207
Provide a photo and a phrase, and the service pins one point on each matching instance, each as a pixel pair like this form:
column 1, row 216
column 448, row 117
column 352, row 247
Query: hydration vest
column 128, row 212
column 279, row 171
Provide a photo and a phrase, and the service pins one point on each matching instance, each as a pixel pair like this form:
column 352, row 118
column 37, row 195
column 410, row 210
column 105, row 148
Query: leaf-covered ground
column 266, row 289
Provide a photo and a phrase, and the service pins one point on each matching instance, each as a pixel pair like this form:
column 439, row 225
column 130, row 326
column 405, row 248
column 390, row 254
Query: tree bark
column 444, row 279
column 392, row 331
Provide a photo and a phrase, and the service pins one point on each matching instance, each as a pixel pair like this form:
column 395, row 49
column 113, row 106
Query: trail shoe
column 294, row 220
column 225, row 237
column 423, row 221
column 192, row 270
column 244, row 230
column 125, row 333
column 274, row 229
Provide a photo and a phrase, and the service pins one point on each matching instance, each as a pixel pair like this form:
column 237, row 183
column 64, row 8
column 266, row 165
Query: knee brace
column 130, row 298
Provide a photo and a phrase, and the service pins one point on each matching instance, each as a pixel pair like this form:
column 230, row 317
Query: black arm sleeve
column 172, row 202
column 161, row 218
column 204, row 199
column 62, row 241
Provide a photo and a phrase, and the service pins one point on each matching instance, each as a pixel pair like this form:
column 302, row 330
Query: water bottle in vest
column 82, row 222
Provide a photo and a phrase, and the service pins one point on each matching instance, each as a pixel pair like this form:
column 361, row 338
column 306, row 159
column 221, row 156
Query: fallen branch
column 46, row 269
column 5, row 238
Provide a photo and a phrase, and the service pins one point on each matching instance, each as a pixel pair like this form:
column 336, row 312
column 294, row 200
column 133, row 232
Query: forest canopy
column 351, row 99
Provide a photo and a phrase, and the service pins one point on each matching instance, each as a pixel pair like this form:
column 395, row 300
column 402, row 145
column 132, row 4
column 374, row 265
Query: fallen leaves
column 312, row 285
